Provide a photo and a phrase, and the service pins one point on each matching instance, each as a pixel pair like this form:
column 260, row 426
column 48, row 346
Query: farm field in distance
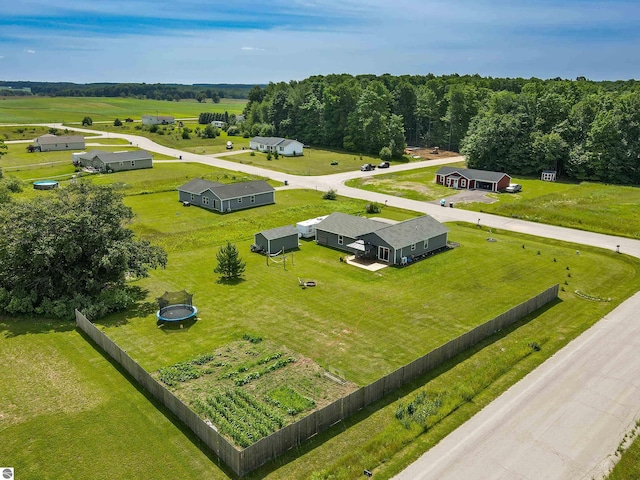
column 103, row 109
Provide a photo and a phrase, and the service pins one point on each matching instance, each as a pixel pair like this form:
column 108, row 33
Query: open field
column 22, row 133
column 74, row 109
column 400, row 314
column 313, row 162
column 171, row 136
column 584, row 206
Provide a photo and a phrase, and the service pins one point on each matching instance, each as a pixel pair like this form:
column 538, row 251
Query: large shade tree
column 68, row 250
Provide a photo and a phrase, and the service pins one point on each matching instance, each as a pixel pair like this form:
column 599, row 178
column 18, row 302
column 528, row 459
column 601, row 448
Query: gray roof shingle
column 349, row 225
column 227, row 191
column 280, row 232
column 411, row 231
column 197, row 186
column 115, row 157
column 49, row 139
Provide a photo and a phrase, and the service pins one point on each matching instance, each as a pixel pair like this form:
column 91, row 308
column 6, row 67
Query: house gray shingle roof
column 49, row 139
column 349, row 225
column 411, row 231
column 225, row 192
column 115, row 157
column 472, row 174
column 269, row 141
column 280, row 232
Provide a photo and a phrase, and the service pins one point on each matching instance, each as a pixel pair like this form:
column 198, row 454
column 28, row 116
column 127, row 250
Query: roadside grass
column 584, row 206
column 166, row 177
column 21, row 132
column 74, row 109
column 171, row 136
column 416, row 184
column 629, row 464
column 313, row 162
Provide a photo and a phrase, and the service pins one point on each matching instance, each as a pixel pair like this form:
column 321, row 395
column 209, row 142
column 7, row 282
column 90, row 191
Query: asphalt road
column 564, row 420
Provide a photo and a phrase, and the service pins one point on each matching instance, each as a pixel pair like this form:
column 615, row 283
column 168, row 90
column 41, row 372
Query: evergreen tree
column 230, row 265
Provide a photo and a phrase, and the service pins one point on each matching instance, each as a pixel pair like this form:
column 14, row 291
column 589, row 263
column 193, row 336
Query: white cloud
column 30, row 51
column 253, row 49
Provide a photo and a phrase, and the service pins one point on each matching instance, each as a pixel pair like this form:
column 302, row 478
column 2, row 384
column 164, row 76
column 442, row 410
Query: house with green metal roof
column 225, row 198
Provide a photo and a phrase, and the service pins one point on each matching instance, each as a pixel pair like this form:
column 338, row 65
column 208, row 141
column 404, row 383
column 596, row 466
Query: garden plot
column 251, row 388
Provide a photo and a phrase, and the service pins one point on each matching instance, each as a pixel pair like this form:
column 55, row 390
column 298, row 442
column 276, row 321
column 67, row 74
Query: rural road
column 565, row 419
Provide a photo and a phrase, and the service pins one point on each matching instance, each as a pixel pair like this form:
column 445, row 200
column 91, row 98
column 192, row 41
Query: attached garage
column 274, row 240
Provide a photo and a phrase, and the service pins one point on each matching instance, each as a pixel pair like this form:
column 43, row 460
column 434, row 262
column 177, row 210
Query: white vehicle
column 229, row 145
column 513, row 188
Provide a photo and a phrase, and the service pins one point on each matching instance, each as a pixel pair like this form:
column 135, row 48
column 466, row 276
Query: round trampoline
column 176, row 307
column 45, row 184
column 176, row 313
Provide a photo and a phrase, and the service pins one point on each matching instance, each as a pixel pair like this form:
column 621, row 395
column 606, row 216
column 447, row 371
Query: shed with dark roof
column 277, row 239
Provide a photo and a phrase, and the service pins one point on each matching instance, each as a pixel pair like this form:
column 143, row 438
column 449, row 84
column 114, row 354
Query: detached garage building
column 276, row 239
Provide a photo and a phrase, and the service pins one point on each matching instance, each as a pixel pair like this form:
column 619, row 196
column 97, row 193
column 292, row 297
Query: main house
column 114, row 161
column 157, row 119
column 395, row 244
column 226, row 197
column 471, row 179
column 286, row 147
column 49, row 142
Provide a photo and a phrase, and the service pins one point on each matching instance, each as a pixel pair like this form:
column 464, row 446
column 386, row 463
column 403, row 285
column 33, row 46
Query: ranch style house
column 226, row 197
column 49, row 142
column 395, row 244
column 471, row 179
column 114, row 161
column 288, row 148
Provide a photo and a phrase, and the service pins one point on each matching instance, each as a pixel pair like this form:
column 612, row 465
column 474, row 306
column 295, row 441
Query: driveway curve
column 565, row 419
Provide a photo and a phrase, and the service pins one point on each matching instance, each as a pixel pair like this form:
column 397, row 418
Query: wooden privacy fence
column 292, row 435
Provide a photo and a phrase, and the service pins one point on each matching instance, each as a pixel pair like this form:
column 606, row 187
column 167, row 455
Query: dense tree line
column 208, row 117
column 585, row 130
column 156, row 91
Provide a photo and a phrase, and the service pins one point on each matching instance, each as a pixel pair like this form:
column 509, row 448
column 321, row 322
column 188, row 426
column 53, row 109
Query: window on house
column 215, row 204
column 192, row 197
column 240, row 200
column 463, row 183
column 253, row 199
column 413, row 247
column 426, row 244
column 282, row 149
column 340, row 239
column 383, row 253
column 133, row 163
column 205, row 200
column 121, row 164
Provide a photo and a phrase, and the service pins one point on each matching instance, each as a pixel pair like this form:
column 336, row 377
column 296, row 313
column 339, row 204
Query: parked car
column 513, row 188
column 367, row 167
column 384, row 165
column 229, row 145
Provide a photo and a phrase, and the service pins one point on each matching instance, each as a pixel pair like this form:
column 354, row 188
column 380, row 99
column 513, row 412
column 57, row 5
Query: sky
column 257, row 42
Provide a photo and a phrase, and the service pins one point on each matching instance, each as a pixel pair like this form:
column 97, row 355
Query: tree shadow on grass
column 176, row 327
column 186, row 431
column 230, row 281
column 16, row 326
column 139, row 308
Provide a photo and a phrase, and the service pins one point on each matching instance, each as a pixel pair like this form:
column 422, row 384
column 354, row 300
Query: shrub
column 373, row 207
column 330, row 195
column 268, row 155
column 153, row 128
column 117, row 122
column 185, row 135
column 385, row 153
column 233, row 131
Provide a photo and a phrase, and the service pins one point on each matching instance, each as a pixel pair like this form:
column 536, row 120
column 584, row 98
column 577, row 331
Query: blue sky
column 191, row 41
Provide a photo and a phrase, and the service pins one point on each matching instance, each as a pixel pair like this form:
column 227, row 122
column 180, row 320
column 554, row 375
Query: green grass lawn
column 585, row 206
column 313, row 162
column 414, row 184
column 628, row 467
column 21, row 133
column 74, row 109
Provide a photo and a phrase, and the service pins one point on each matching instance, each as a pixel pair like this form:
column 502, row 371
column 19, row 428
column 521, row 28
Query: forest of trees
column 585, row 130
column 155, row 91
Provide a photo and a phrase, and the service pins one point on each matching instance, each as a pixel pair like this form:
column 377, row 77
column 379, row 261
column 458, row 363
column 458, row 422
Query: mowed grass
column 313, row 162
column 171, row 136
column 602, row 208
column 628, row 466
column 68, row 412
column 74, row 109
column 416, row 184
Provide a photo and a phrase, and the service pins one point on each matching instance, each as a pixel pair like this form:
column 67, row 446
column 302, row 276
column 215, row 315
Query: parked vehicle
column 367, row 167
column 229, row 145
column 384, row 165
column 513, row 188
